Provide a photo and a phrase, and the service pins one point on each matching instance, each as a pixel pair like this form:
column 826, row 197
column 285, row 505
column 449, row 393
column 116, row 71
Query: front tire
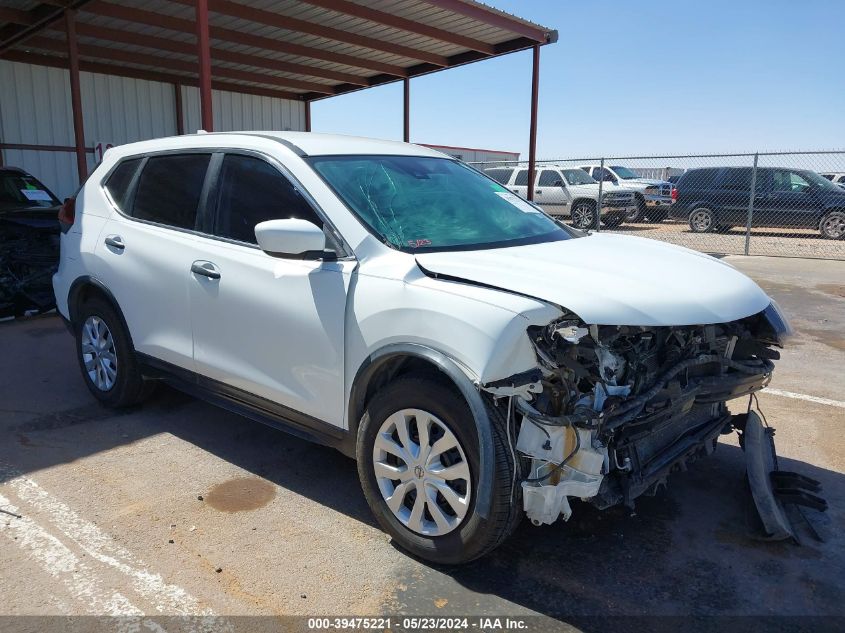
column 832, row 225
column 637, row 214
column 418, row 462
column 702, row 220
column 106, row 357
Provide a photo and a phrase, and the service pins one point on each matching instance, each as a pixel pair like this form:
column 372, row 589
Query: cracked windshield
column 421, row 203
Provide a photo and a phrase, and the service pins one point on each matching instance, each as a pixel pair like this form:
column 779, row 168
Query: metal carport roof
column 291, row 49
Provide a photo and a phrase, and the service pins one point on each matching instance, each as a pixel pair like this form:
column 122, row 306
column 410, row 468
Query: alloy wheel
column 701, row 220
column 582, row 216
column 422, row 472
column 833, row 226
column 98, row 353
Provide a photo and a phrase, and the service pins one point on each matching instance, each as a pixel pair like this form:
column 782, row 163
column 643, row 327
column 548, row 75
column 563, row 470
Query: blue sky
column 626, row 77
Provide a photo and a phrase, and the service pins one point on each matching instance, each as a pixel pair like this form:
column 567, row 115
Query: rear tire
column 106, row 356
column 832, row 225
column 702, row 220
column 614, row 221
column 445, row 416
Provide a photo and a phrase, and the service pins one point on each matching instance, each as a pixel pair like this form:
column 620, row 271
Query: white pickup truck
column 654, row 197
column 569, row 192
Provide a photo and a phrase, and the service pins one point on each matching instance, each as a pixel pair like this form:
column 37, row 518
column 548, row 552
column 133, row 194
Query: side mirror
column 291, row 238
column 559, row 183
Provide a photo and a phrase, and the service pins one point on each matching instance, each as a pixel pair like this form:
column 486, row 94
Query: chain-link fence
column 776, row 203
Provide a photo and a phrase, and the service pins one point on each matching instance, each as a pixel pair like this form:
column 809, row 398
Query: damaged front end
column 613, row 410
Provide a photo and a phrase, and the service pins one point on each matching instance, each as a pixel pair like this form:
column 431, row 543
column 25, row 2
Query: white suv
column 570, row 192
column 654, row 197
column 476, row 357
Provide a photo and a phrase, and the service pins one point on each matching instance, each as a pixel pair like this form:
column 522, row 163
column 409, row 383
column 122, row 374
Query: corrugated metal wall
column 233, row 111
column 35, row 110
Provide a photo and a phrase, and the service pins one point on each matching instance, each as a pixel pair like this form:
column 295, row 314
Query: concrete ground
column 182, row 508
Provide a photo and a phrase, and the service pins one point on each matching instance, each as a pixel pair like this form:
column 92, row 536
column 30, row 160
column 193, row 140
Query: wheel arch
column 583, row 199
column 391, row 361
column 84, row 288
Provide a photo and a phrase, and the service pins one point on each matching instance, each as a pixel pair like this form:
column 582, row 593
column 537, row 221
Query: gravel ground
column 180, row 508
column 764, row 241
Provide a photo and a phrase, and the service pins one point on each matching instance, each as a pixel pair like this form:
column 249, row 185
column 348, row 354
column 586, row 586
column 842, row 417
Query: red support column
column 204, row 58
column 532, row 134
column 307, row 116
column 75, row 95
column 406, row 123
column 180, row 113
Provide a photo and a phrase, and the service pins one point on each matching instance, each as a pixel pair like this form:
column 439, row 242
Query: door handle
column 538, row 191
column 206, row 269
column 115, row 241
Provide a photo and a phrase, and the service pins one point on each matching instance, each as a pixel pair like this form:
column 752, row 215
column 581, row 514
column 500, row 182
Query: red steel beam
column 204, row 63
column 532, row 132
column 163, row 44
column 493, row 18
column 307, row 116
column 43, row 148
column 75, row 95
column 16, row 16
column 38, row 18
column 98, row 7
column 103, row 53
column 148, row 75
column 398, row 22
column 270, row 18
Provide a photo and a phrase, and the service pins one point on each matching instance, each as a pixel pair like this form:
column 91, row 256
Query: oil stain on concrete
column 241, row 495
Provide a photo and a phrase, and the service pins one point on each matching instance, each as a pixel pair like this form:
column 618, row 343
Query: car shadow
column 685, row 552
column 689, row 551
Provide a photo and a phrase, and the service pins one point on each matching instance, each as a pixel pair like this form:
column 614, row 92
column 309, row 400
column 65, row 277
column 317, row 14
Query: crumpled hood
column 612, row 279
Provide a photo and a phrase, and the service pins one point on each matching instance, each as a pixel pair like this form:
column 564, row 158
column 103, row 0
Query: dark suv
column 716, row 199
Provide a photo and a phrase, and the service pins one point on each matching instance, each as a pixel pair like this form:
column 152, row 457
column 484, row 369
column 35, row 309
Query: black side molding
column 248, row 405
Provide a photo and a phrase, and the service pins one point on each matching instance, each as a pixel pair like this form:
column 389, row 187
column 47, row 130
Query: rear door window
column 169, row 189
column 698, row 179
column 120, row 180
column 250, row 190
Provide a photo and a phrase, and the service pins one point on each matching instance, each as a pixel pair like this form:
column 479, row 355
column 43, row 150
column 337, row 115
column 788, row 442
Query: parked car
column 836, row 177
column 29, row 243
column 654, row 197
column 717, row 199
column 569, row 192
column 479, row 359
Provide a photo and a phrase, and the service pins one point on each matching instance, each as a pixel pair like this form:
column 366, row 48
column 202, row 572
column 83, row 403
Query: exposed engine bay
column 28, row 259
column 612, row 410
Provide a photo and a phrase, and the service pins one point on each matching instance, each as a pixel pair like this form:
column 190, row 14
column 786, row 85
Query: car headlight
column 781, row 330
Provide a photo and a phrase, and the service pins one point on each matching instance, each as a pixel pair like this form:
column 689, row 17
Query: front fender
column 461, row 379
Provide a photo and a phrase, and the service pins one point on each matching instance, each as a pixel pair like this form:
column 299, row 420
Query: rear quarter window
column 119, row 181
column 697, row 179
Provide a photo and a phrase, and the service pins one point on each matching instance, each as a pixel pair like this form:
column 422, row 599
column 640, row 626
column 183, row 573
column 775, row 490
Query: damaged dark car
column 29, row 234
